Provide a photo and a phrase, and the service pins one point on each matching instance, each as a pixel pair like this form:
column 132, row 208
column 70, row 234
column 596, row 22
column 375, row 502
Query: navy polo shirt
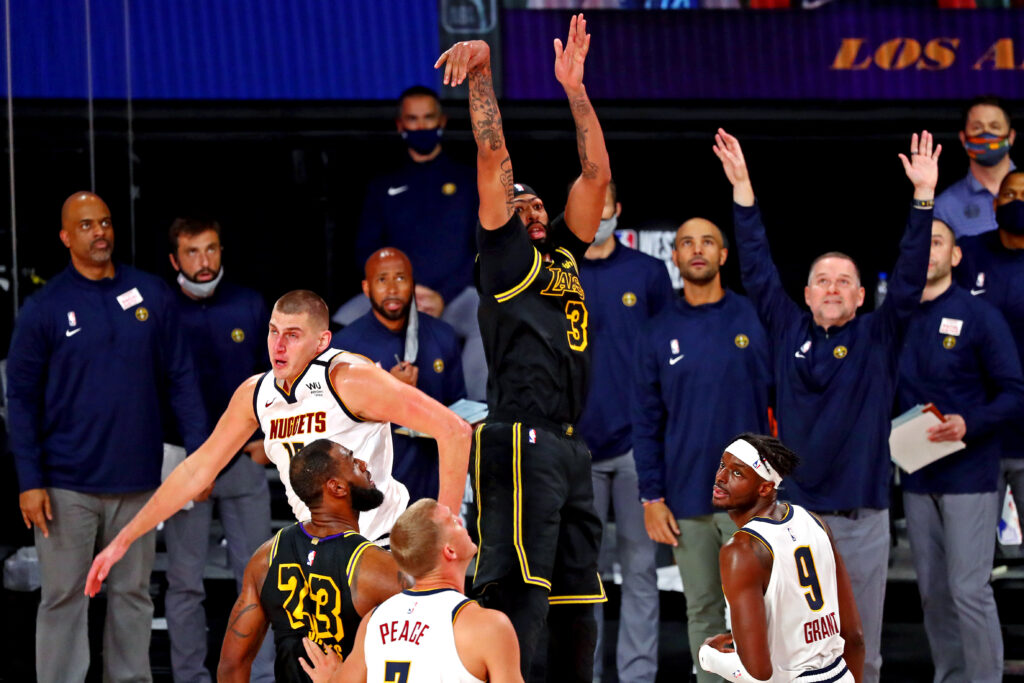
column 88, row 365
column 959, row 355
column 966, row 206
column 439, row 360
column 702, row 375
column 623, row 291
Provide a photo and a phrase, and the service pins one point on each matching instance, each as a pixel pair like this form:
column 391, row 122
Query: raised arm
column 186, row 482
column 248, row 622
column 586, row 198
column 759, row 274
column 472, row 59
column 373, row 394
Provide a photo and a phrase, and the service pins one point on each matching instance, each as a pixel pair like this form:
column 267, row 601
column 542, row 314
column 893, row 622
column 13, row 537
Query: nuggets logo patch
column 742, row 341
column 237, row 335
column 448, row 189
column 949, row 341
column 840, row 351
column 438, row 365
column 629, row 299
column 141, row 314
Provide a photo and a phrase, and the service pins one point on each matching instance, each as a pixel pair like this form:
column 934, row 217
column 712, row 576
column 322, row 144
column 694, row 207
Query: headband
column 749, row 455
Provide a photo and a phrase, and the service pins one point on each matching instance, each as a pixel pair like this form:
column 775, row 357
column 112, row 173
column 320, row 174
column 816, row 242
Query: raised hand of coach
column 727, row 149
column 922, row 167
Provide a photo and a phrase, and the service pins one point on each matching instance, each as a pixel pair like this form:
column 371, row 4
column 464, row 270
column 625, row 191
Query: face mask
column 988, row 149
column 1010, row 217
column 423, row 141
column 606, row 229
column 200, row 290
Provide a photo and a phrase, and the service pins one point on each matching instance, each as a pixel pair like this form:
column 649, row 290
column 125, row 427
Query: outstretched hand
column 101, row 566
column 922, row 168
column 728, row 150
column 461, row 59
column 569, row 60
column 321, row 665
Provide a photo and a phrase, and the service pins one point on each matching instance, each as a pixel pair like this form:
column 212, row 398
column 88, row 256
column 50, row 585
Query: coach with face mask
column 993, row 268
column 625, row 288
column 987, row 136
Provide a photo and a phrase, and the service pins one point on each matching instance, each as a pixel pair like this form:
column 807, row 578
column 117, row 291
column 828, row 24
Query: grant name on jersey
column 819, row 629
column 307, row 423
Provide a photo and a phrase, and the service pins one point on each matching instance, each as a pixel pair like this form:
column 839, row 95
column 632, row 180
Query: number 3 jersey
column 313, row 410
column 410, row 638
column 802, row 598
column 306, row 594
column 533, row 320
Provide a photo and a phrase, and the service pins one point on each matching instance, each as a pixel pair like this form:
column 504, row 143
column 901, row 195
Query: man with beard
column 625, row 288
column 993, row 268
column 538, row 532
column 702, row 374
column 89, row 356
column 224, row 325
column 958, row 354
column 315, row 578
column 420, row 350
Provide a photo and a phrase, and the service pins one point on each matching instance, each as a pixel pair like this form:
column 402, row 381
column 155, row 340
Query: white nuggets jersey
column 802, row 599
column 313, row 410
column 411, row 638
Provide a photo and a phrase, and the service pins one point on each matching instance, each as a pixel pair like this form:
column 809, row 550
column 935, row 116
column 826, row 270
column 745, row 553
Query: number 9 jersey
column 313, row 410
column 802, row 598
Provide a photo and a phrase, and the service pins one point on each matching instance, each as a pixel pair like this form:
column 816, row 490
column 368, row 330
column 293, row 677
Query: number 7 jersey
column 313, row 410
column 802, row 598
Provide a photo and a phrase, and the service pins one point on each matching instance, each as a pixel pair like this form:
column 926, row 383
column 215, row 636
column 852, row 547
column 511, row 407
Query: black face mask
column 423, row 141
column 1010, row 217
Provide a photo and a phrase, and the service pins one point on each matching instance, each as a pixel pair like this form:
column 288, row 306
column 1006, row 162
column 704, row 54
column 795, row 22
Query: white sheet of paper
column 909, row 444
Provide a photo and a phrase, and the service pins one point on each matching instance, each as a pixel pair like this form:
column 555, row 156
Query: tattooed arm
column 472, row 59
column 586, row 198
column 374, row 579
column 248, row 622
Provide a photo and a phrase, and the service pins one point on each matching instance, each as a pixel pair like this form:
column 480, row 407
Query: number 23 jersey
column 313, row 410
column 533, row 320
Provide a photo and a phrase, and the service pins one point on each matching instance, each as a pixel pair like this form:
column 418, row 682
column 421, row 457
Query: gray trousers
column 952, row 538
column 862, row 538
column 243, row 499
column 700, row 539
column 83, row 524
column 616, row 486
column 1011, row 471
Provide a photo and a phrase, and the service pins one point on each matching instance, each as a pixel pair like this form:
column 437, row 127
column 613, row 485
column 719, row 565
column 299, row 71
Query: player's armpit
column 248, row 624
column 375, row 578
column 373, row 394
column 744, row 577
column 487, row 645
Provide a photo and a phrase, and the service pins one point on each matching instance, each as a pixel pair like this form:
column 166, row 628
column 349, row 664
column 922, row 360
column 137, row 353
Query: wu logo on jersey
column 315, row 388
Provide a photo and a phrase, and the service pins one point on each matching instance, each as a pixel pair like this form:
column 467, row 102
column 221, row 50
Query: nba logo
column 627, row 238
column 674, row 345
column 310, row 558
column 980, row 282
column 533, row 436
column 71, row 319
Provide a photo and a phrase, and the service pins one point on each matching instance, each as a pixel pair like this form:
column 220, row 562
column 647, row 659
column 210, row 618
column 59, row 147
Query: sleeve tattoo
column 580, row 109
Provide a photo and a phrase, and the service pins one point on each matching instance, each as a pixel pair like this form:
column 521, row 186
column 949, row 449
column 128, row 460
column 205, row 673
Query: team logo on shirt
column 742, row 341
column 563, row 281
column 949, row 341
column 141, row 314
column 840, row 351
column 438, row 365
column 448, row 189
column 629, row 299
column 238, row 335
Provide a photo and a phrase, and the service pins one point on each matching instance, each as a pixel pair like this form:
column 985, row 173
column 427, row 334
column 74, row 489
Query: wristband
column 924, row 203
column 725, row 664
column 648, row 501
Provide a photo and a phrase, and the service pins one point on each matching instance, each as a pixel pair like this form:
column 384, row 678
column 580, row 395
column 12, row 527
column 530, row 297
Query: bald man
column 420, row 350
column 702, row 375
column 90, row 355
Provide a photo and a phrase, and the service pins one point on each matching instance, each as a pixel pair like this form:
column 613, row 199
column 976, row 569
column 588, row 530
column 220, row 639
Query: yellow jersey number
column 576, row 313
column 325, row 621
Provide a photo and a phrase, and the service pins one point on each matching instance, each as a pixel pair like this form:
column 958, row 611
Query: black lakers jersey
column 533, row 320
column 306, row 594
